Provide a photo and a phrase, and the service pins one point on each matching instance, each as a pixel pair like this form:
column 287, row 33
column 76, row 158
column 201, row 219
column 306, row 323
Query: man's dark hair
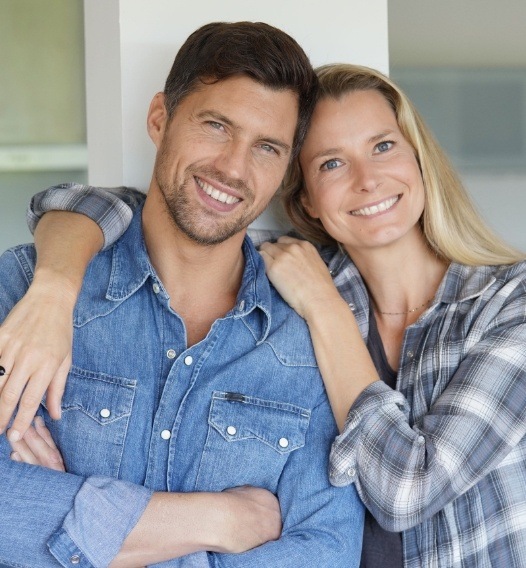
column 265, row 54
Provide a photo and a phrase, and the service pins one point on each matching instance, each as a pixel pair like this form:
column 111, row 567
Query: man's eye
column 330, row 164
column 268, row 148
column 384, row 146
column 214, row 124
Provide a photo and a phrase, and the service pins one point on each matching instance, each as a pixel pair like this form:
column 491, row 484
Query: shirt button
column 421, row 440
column 166, row 434
column 410, row 354
column 231, row 430
column 105, row 413
column 156, row 288
column 75, row 559
column 241, row 306
column 283, row 442
column 188, row 360
column 352, row 306
column 171, row 353
column 351, row 472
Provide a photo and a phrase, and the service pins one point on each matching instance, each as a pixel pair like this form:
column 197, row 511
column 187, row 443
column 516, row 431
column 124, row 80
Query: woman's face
column 361, row 175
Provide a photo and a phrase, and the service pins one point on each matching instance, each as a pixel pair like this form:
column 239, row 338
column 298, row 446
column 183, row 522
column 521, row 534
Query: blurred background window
column 464, row 66
column 42, row 110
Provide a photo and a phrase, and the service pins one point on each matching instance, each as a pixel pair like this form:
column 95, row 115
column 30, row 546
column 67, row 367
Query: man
column 190, row 374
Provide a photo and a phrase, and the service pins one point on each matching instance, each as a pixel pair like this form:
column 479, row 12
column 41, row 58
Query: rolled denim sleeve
column 86, row 537
column 322, row 525
column 50, row 518
column 111, row 208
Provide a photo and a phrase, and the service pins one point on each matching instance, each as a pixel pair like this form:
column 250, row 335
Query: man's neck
column 202, row 281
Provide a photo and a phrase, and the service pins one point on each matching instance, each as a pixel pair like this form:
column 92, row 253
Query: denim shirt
column 142, row 413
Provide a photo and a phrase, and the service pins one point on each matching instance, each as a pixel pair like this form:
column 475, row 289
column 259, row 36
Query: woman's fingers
column 35, row 351
column 299, row 274
column 38, row 448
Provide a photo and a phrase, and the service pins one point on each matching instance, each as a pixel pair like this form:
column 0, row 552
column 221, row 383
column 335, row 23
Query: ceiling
column 453, row 33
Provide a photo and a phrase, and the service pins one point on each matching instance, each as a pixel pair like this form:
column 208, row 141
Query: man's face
column 222, row 156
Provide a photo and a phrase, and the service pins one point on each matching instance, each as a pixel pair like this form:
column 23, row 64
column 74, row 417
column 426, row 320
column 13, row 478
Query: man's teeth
column 384, row 206
column 216, row 194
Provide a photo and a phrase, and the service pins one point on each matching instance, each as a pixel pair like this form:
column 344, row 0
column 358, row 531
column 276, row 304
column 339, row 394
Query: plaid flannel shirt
column 443, row 457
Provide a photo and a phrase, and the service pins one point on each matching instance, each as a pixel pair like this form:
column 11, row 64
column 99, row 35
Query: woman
column 419, row 327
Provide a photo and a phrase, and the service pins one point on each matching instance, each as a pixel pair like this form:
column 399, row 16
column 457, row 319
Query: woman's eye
column 330, row 164
column 384, row 146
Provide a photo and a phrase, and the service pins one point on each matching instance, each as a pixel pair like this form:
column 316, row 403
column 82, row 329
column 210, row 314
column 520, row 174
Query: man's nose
column 234, row 159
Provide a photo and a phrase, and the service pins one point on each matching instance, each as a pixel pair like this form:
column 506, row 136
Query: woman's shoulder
column 463, row 282
column 506, row 273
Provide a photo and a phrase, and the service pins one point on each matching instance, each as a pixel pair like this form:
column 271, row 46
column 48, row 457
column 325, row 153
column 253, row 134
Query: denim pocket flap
column 280, row 425
column 104, row 398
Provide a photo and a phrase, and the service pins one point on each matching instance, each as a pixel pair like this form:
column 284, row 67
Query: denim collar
column 131, row 268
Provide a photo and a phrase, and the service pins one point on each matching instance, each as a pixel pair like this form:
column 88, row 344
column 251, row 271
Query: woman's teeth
column 383, row 206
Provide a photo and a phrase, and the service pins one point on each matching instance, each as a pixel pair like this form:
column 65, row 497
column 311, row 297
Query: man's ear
column 305, row 201
column 157, row 119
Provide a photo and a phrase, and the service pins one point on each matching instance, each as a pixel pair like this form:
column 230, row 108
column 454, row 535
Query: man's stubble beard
column 188, row 219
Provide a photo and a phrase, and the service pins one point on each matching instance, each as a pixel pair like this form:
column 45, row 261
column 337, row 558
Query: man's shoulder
column 18, row 259
column 17, row 267
column 289, row 334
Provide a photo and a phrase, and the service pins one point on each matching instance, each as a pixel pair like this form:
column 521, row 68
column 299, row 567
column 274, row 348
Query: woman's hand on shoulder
column 299, row 274
column 35, row 354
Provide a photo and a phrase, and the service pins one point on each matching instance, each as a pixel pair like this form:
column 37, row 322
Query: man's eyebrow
column 275, row 142
column 214, row 115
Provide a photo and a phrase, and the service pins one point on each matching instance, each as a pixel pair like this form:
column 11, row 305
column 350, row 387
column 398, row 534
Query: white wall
column 131, row 44
column 42, row 122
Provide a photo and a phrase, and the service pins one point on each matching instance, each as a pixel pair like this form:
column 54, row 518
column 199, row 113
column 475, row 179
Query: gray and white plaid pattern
column 443, row 457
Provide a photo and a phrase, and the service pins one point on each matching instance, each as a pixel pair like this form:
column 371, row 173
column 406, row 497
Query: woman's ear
column 305, row 201
column 157, row 119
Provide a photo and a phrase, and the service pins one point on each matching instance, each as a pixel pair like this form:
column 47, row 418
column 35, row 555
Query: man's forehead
column 240, row 98
column 238, row 83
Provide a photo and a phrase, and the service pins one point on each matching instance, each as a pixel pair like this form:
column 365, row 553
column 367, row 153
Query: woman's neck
column 402, row 278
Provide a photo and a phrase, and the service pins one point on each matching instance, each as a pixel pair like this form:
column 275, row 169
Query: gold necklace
column 427, row 302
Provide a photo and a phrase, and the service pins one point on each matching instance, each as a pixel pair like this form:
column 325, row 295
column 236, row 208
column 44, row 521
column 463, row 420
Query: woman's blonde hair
column 451, row 225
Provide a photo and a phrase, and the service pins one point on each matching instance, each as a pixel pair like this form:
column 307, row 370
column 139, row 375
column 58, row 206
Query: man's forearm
column 144, row 530
column 172, row 525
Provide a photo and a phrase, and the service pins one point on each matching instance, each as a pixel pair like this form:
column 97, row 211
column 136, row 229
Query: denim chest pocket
column 249, row 441
column 95, row 412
